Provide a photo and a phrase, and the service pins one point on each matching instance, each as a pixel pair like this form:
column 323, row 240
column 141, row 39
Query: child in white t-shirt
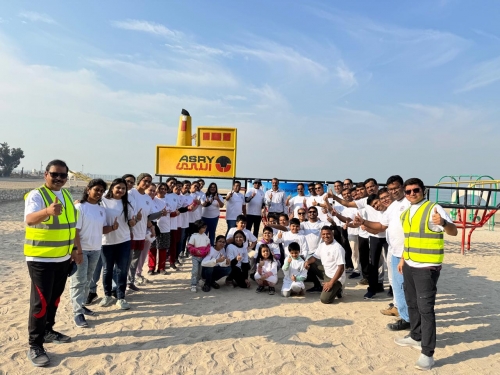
column 267, row 269
column 294, row 272
column 198, row 247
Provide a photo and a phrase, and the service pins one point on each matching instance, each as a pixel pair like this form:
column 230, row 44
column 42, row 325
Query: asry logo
column 204, row 163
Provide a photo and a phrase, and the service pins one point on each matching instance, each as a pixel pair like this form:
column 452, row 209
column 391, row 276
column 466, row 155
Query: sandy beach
column 170, row 330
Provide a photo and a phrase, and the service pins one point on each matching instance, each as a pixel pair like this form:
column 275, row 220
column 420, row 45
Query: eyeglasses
column 312, row 212
column 301, row 213
column 55, row 175
column 415, row 191
column 318, row 188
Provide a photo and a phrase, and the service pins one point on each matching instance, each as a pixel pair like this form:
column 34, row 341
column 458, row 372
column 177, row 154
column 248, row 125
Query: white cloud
column 37, row 17
column 346, row 76
column 147, row 27
column 482, row 75
column 486, row 34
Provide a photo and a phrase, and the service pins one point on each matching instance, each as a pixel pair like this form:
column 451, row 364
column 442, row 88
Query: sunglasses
column 415, row 191
column 301, row 213
column 55, row 175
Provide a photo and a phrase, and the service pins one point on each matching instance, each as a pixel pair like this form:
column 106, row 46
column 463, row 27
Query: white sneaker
column 122, row 304
column 408, row 341
column 193, row 288
column 106, row 301
column 424, row 362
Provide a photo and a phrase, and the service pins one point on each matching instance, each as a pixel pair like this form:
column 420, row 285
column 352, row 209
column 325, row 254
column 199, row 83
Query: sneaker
column 424, row 362
column 80, row 321
column 206, row 288
column 363, row 282
column 369, row 295
column 340, row 293
column 271, row 291
column 215, row 285
column 164, row 273
column 174, row 267
column 380, row 288
column 132, row 287
column 315, row 289
column 354, row 275
column 91, row 298
column 390, row 311
column 349, row 270
column 182, row 255
column 259, row 289
column 398, row 325
column 177, row 262
column 390, row 293
column 38, row 356
column 122, row 304
column 56, row 337
column 88, row 312
column 151, row 273
column 106, row 301
column 408, row 341
column 193, row 288
column 139, row 280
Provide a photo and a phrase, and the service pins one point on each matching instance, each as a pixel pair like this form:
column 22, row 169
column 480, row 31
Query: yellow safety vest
column 422, row 245
column 53, row 238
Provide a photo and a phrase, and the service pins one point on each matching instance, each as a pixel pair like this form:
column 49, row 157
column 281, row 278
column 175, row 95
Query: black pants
column 376, row 248
column 239, row 275
column 47, row 285
column 420, row 293
column 347, row 247
column 254, row 221
column 364, row 256
column 315, row 273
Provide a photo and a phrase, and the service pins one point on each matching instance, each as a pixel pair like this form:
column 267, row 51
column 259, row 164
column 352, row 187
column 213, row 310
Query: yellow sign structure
column 213, row 156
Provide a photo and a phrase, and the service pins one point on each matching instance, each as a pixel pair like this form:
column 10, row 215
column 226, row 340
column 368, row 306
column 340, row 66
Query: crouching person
column 215, row 265
column 294, row 272
column 332, row 256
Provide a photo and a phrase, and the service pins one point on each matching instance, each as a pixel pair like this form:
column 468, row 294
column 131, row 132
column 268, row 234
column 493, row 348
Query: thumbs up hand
column 139, row 215
column 436, row 218
column 55, row 208
column 115, row 224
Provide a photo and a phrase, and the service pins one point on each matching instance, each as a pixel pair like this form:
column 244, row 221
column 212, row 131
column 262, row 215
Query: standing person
column 49, row 246
column 312, row 229
column 275, row 198
column 143, row 206
column 319, row 201
column 198, row 247
column 332, row 257
column 210, row 213
column 423, row 225
column 348, row 183
column 338, row 186
column 391, row 222
column 176, row 204
column 297, row 202
column 162, row 241
column 91, row 225
column 254, row 199
column 116, row 244
column 187, row 205
column 235, row 205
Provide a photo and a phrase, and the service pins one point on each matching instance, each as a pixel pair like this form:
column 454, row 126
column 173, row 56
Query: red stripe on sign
column 226, row 137
column 183, row 126
column 216, row 137
column 206, row 136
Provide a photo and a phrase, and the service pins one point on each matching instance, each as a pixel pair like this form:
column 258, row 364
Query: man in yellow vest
column 423, row 223
column 50, row 247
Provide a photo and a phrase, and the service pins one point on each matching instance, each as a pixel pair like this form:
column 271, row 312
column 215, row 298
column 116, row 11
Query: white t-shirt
column 432, row 226
column 312, row 231
column 375, row 216
column 332, row 256
column 320, row 200
column 277, row 202
column 164, row 221
column 295, row 203
column 234, row 206
column 362, row 203
column 212, row 210
column 211, row 259
column 184, row 217
column 273, row 246
column 196, row 213
column 288, row 238
column 34, row 203
column 249, row 235
column 233, row 251
column 392, row 220
column 254, row 207
column 114, row 208
column 144, row 202
column 175, row 202
column 199, row 240
column 91, row 220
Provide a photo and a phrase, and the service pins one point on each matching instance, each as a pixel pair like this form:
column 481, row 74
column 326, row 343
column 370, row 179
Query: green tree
column 9, row 159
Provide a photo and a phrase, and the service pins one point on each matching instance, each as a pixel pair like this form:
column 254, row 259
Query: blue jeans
column 115, row 257
column 195, row 271
column 181, row 245
column 97, row 275
column 212, row 274
column 81, row 279
column 397, row 289
column 230, row 224
column 211, row 227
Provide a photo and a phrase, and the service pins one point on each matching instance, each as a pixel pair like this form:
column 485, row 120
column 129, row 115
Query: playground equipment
column 472, row 200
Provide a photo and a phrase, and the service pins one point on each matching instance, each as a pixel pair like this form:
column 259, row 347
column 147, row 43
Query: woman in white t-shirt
column 116, row 244
column 211, row 205
column 91, row 225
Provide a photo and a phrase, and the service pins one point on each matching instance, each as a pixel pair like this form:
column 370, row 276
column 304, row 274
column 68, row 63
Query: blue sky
column 317, row 90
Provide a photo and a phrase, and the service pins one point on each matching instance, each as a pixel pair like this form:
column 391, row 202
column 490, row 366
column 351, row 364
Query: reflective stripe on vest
column 422, row 245
column 53, row 238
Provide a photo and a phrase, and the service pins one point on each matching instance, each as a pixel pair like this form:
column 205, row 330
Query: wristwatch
column 445, row 223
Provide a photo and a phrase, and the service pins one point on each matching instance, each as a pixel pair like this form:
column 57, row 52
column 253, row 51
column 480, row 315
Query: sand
column 170, row 330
